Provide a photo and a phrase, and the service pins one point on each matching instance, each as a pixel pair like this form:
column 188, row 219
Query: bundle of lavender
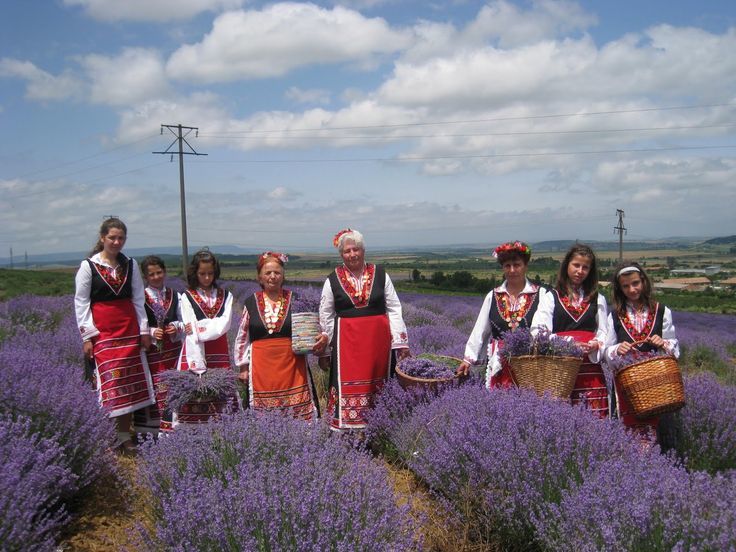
column 521, row 342
column 183, row 386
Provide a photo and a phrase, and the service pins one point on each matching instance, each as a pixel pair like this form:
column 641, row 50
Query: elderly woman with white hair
column 360, row 313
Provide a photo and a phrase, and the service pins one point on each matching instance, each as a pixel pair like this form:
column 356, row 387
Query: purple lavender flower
column 619, row 362
column 427, row 368
column 522, row 342
column 183, row 386
column 306, row 299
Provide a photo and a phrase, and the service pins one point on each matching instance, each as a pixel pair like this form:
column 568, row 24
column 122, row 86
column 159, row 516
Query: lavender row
column 269, row 483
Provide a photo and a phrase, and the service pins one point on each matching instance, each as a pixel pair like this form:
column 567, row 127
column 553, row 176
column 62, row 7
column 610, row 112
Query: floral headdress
column 336, row 239
column 281, row 257
column 513, row 247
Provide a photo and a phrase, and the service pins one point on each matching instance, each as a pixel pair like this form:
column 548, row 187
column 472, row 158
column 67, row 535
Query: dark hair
column 619, row 297
column 507, row 256
column 151, row 260
column 202, row 256
column 112, row 222
column 590, row 284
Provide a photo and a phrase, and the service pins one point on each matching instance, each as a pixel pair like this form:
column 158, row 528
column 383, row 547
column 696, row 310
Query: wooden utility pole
column 621, row 229
column 180, row 139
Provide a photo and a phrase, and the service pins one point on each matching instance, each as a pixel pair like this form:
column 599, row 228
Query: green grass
column 36, row 282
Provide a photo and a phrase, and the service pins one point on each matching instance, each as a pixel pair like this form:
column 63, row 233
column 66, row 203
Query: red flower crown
column 276, row 255
column 516, row 247
column 336, row 239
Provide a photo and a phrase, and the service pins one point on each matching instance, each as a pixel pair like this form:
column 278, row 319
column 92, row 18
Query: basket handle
column 644, row 341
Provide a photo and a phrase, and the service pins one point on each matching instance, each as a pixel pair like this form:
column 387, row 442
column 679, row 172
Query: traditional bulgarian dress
column 582, row 319
column 638, row 325
column 498, row 314
column 161, row 357
column 361, row 314
column 278, row 378
column 108, row 303
column 210, row 315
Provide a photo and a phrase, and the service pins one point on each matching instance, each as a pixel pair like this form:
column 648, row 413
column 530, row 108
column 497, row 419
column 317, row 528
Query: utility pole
column 181, row 132
column 621, row 229
column 26, row 256
column 11, row 258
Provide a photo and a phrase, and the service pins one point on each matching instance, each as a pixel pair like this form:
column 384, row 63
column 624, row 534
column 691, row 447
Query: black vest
column 171, row 313
column 257, row 328
column 623, row 336
column 563, row 321
column 102, row 291
column 500, row 326
column 345, row 308
column 198, row 312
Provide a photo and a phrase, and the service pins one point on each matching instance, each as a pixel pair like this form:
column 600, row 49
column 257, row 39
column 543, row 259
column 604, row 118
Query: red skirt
column 123, row 379
column 644, row 428
column 157, row 418
column 217, row 357
column 590, row 385
column 362, row 359
column 279, row 379
column 504, row 378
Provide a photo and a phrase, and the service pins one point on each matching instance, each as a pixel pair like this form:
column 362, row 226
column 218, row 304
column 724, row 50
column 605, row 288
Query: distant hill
column 725, row 240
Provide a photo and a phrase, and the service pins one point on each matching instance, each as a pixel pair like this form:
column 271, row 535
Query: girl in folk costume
column 206, row 311
column 108, row 302
column 510, row 305
column 639, row 323
column 277, row 379
column 575, row 308
column 360, row 313
column 162, row 308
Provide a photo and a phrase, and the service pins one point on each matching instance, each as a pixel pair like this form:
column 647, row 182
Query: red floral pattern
column 168, row 298
column 630, row 327
column 209, row 312
column 261, row 303
column 513, row 317
column 115, row 278
column 576, row 312
column 358, row 298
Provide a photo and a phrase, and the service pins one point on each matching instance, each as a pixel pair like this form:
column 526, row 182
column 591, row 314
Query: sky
column 417, row 122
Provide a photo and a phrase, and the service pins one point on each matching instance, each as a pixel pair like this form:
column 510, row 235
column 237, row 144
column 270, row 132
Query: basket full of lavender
column 426, row 369
column 184, row 386
column 651, row 381
column 542, row 361
column 305, row 328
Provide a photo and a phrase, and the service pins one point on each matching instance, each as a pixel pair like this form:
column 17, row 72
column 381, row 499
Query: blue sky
column 418, row 123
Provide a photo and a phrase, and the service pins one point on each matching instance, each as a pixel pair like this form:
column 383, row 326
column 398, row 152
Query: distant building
column 730, row 282
column 699, row 283
column 708, row 270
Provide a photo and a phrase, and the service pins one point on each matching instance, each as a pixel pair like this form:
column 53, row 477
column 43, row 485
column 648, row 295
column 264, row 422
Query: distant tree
column 671, row 263
column 462, row 279
column 438, row 278
column 415, row 275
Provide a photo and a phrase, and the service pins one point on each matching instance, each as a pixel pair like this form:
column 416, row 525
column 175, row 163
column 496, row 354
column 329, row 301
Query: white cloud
column 279, row 193
column 146, row 10
column 311, row 96
column 41, row 85
column 282, row 37
column 135, row 75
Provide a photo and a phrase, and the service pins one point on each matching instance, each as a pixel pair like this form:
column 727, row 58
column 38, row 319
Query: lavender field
column 503, row 469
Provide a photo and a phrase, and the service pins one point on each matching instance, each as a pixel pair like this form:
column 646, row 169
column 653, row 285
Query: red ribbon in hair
column 336, row 239
column 280, row 257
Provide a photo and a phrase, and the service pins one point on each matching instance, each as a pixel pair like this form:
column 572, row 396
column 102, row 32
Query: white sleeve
column 669, row 335
column 327, row 310
column 604, row 330
column 82, row 302
column 193, row 348
column 212, row 328
column 544, row 315
column 399, row 339
column 242, row 341
column 139, row 297
column 610, row 349
column 475, row 348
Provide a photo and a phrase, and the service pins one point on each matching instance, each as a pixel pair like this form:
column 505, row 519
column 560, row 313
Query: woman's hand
column 170, row 329
column 188, row 328
column 243, row 375
column 403, row 353
column 158, row 333
column 463, row 369
column 320, row 344
column 145, row 342
column 657, row 341
column 88, row 349
column 590, row 346
column 624, row 348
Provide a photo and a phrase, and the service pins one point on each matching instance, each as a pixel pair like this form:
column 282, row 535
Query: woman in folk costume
column 639, row 323
column 360, row 313
column 277, row 379
column 162, row 311
column 206, row 311
column 108, row 303
column 575, row 308
column 510, row 305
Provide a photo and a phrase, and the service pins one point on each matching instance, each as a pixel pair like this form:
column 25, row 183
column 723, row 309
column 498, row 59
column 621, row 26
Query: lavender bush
column 521, row 342
column 427, row 368
column 185, row 386
column 306, row 299
column 265, row 482
column 33, row 482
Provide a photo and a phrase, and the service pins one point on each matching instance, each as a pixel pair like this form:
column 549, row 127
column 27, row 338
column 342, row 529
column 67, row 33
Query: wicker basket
column 305, row 330
column 546, row 374
column 406, row 381
column 653, row 386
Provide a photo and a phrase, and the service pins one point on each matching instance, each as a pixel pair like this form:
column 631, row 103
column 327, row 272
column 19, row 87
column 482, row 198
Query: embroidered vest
column 499, row 318
column 256, row 312
column 626, row 332
column 107, row 288
column 201, row 311
column 347, row 306
column 171, row 305
column 566, row 320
